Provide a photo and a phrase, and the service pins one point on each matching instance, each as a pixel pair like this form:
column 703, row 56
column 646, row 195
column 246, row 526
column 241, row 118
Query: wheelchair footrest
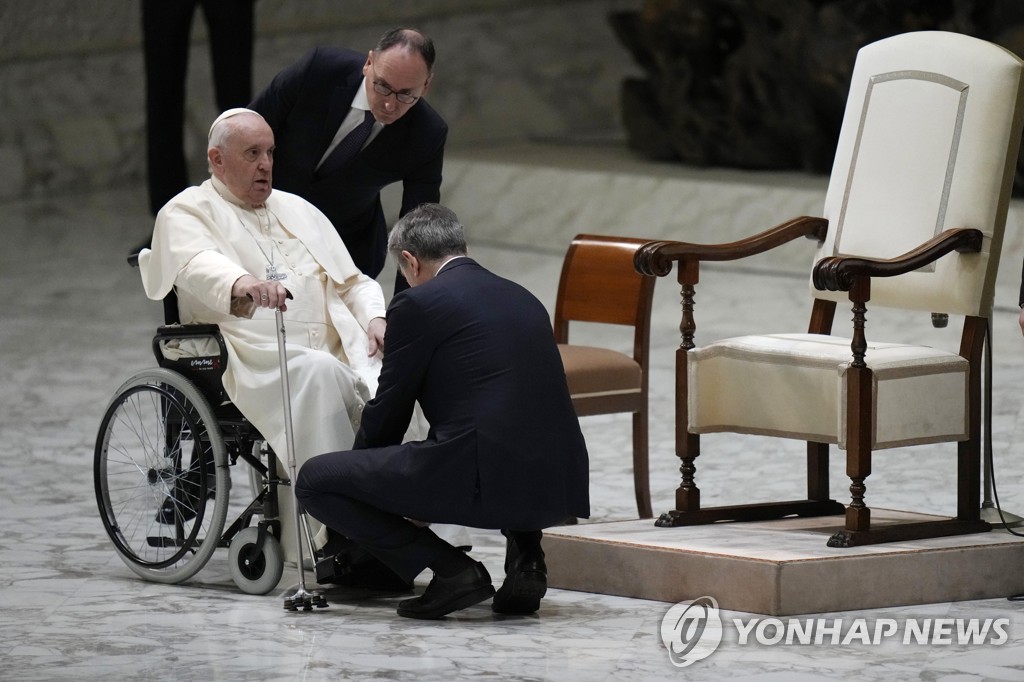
column 161, row 541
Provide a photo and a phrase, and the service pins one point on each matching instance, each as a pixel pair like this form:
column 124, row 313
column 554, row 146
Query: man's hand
column 263, row 293
column 375, row 330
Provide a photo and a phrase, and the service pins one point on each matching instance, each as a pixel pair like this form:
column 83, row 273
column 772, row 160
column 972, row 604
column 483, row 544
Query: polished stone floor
column 74, row 324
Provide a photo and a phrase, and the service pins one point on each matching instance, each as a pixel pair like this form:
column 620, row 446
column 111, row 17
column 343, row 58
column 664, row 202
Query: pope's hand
column 264, row 293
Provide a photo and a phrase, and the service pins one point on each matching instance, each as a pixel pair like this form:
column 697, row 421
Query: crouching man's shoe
column 526, row 574
column 444, row 595
column 525, row 585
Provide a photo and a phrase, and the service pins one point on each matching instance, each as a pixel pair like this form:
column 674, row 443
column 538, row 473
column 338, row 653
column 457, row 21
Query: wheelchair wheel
column 161, row 476
column 255, row 572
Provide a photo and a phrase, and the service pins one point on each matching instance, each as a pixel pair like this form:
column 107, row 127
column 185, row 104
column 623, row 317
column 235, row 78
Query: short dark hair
column 430, row 232
column 410, row 39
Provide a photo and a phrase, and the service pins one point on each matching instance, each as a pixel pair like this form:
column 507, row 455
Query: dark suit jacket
column 505, row 448
column 304, row 105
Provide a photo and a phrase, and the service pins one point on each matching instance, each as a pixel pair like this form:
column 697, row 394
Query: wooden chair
column 913, row 220
column 599, row 284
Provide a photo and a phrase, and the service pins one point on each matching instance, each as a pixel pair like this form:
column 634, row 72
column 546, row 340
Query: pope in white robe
column 230, row 248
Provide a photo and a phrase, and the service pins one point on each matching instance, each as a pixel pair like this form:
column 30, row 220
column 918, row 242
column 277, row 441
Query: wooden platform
column 781, row 567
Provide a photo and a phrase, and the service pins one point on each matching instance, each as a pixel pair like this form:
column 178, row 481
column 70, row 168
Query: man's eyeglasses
column 403, row 97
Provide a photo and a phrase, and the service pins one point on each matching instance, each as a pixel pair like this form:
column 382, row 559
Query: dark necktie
column 348, row 147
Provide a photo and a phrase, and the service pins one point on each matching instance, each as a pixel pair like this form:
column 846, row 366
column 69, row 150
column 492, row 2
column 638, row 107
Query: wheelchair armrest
column 171, row 332
column 206, row 371
column 187, row 331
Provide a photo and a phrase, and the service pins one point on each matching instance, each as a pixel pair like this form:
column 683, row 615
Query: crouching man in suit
column 504, row 449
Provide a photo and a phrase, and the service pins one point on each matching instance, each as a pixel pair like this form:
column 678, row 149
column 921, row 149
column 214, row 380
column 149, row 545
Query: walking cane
column 302, row 597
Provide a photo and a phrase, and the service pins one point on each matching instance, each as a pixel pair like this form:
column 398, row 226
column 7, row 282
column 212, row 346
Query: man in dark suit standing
column 504, row 448
column 347, row 125
column 166, row 43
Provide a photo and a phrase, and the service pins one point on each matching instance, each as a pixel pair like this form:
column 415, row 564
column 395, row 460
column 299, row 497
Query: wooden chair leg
column 968, row 504
column 859, row 406
column 641, row 474
column 818, row 501
column 817, row 471
column 688, row 494
column 858, row 445
column 969, row 451
column 687, row 444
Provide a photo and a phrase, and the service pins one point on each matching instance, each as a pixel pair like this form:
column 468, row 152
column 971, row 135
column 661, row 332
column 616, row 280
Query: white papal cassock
column 205, row 239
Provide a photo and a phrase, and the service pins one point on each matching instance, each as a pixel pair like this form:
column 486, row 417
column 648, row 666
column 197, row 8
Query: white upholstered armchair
column 913, row 219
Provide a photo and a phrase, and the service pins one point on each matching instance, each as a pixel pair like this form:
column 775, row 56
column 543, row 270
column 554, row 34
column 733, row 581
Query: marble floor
column 74, row 324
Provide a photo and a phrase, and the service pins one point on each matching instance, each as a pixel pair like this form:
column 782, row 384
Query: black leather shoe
column 526, row 576
column 368, row 573
column 444, row 595
column 170, row 508
column 183, row 503
column 184, row 506
column 346, row 564
column 524, row 586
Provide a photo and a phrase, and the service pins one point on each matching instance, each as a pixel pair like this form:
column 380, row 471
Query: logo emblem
column 691, row 631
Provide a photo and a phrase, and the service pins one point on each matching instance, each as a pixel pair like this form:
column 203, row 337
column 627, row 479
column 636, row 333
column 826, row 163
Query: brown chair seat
column 591, row 371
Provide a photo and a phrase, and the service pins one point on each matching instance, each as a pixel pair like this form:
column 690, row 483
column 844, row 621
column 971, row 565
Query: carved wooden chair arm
column 656, row 258
column 839, row 273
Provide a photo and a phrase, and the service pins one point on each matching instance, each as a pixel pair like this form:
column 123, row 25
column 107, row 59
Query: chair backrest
column 929, row 142
column 600, row 284
column 170, row 302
